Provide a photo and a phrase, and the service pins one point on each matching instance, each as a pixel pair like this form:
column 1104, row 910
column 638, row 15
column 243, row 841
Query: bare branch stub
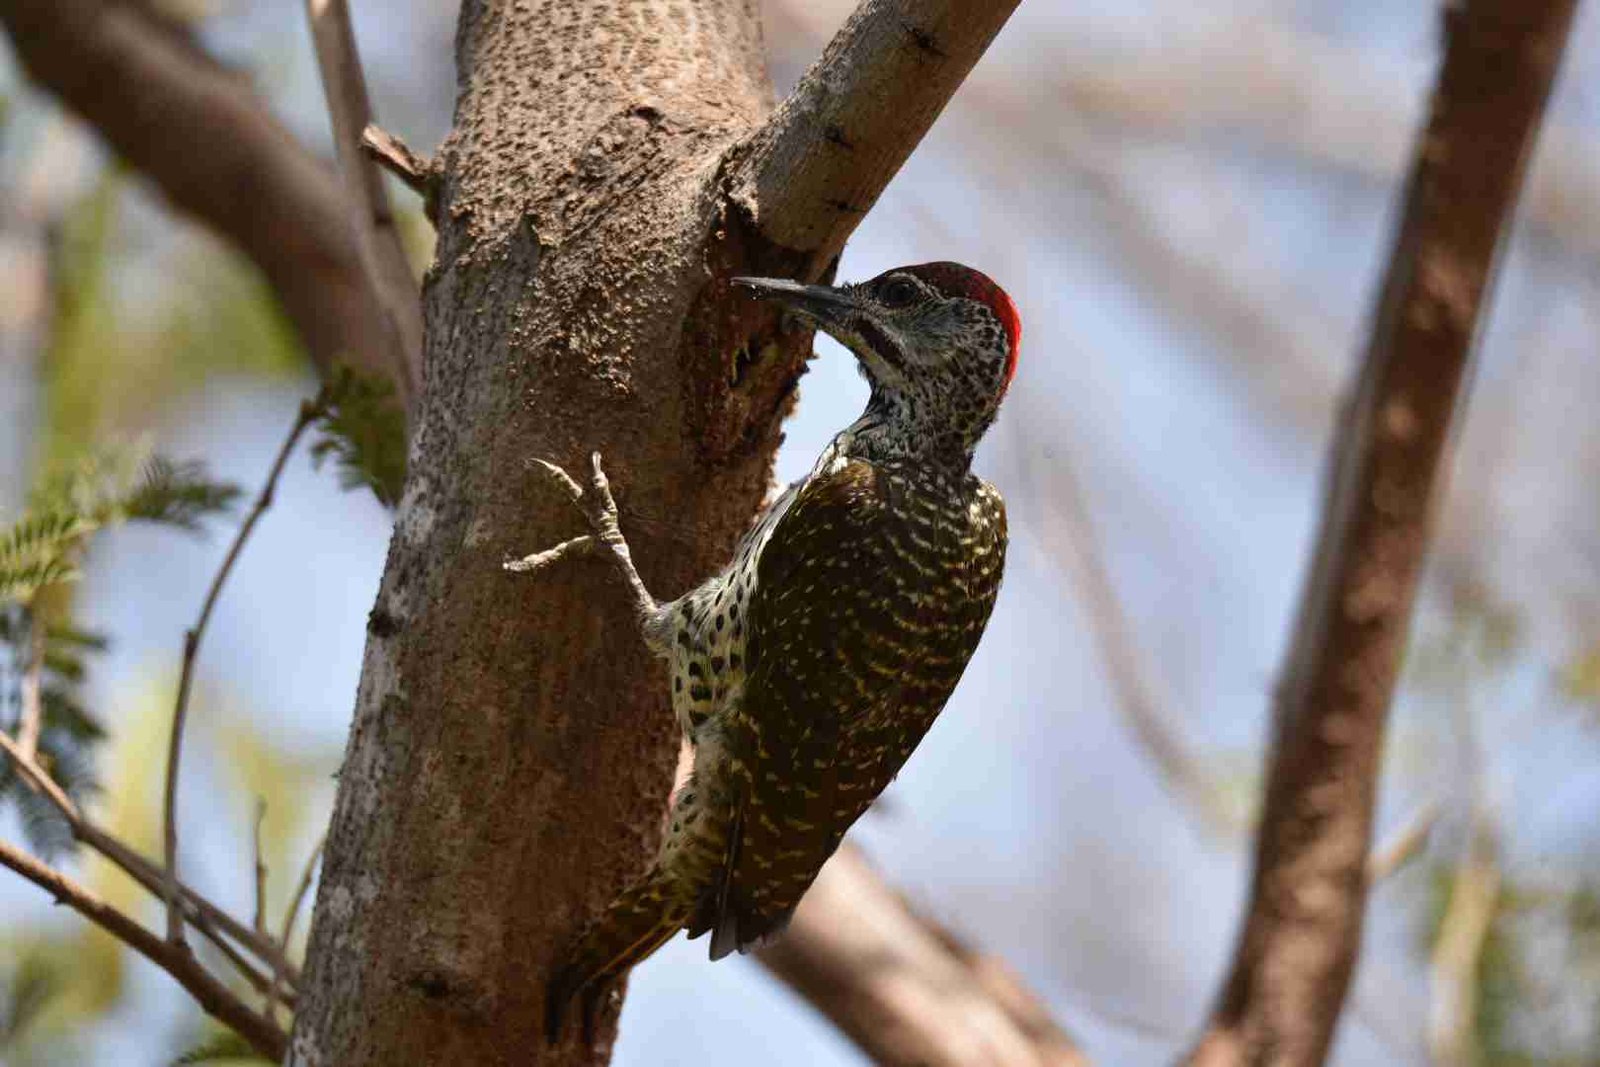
column 1298, row 946
column 395, row 156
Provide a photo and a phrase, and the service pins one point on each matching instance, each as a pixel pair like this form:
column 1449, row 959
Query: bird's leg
column 605, row 538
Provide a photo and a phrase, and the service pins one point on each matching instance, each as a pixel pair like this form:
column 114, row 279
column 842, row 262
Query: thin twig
column 1404, row 844
column 309, row 410
column 300, row 890
column 291, row 916
column 214, row 997
column 382, row 254
column 31, row 723
column 38, row 780
column 261, row 868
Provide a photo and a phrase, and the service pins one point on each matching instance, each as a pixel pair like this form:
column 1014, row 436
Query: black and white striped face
column 938, row 342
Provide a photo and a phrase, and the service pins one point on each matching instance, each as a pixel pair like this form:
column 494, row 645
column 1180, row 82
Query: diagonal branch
column 813, row 171
column 905, row 990
column 176, row 959
column 1297, row 950
column 216, row 152
column 371, row 218
column 212, row 921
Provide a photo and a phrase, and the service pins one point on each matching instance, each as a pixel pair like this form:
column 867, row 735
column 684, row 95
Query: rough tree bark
column 1299, row 941
column 512, row 750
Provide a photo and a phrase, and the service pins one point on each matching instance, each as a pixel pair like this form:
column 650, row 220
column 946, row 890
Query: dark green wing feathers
column 870, row 598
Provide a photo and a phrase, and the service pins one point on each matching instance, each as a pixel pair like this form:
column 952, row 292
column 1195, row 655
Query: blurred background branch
column 217, row 152
column 1297, row 949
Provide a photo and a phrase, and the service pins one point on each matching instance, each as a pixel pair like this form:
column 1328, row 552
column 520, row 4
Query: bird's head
column 937, row 341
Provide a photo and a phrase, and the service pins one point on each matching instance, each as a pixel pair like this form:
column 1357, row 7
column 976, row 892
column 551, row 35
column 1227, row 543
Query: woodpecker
column 806, row 672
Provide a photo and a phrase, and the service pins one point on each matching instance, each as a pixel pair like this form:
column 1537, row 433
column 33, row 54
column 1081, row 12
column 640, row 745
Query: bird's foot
column 605, row 536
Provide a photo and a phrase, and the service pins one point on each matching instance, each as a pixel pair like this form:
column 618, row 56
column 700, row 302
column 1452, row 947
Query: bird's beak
column 825, row 307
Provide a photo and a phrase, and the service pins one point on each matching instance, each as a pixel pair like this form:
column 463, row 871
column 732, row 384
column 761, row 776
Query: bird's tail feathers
column 638, row 922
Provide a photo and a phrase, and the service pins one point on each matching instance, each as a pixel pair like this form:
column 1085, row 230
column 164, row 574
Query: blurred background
column 1192, row 213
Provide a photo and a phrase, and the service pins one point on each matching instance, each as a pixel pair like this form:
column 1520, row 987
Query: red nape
column 956, row 279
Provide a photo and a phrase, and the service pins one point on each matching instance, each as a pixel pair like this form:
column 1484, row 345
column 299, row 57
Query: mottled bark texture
column 1301, row 935
column 512, row 747
column 213, row 148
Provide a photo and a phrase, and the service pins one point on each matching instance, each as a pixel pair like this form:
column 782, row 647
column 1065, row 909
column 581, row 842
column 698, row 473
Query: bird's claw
column 597, row 505
column 573, row 488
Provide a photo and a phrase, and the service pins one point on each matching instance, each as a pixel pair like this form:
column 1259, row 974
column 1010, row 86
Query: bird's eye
column 898, row 293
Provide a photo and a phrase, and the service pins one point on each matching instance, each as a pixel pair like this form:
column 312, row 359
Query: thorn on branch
column 395, row 156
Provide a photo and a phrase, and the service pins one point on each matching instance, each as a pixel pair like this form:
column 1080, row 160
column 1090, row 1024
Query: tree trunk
column 512, row 747
column 487, row 802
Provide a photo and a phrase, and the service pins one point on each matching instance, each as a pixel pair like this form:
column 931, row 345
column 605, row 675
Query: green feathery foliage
column 177, row 494
column 37, row 551
column 363, row 429
column 100, row 490
column 43, row 548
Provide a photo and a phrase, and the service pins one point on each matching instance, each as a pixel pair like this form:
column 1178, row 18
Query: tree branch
column 309, row 410
column 176, row 959
column 1298, row 946
column 904, row 989
column 291, row 916
column 203, row 915
column 1403, row 844
column 211, row 146
column 815, row 169
column 31, row 722
column 372, row 220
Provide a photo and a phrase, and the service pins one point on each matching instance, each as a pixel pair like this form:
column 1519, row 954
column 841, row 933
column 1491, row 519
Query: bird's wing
column 868, row 604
